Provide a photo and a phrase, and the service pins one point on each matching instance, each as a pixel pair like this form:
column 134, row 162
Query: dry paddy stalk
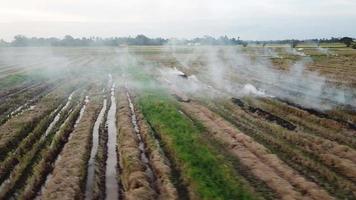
column 340, row 157
column 272, row 136
column 326, row 128
column 158, row 161
column 336, row 156
column 27, row 144
column 18, row 103
column 286, row 182
column 39, row 169
column 14, row 130
column 33, row 140
column 69, row 173
column 135, row 181
column 288, row 110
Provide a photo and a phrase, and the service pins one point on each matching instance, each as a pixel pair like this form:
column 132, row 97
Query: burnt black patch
column 320, row 114
column 264, row 114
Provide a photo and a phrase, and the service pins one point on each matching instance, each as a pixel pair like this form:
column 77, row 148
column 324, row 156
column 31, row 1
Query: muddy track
column 15, row 103
column 98, row 189
column 146, row 171
column 175, row 170
column 160, row 164
column 286, row 182
column 42, row 164
column 44, row 127
column 39, row 150
column 18, row 128
column 112, row 190
column 136, row 175
column 58, row 143
column 13, row 131
column 68, row 176
column 14, row 158
column 90, row 178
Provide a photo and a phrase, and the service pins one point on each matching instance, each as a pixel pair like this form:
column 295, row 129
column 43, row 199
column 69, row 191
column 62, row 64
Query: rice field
column 178, row 122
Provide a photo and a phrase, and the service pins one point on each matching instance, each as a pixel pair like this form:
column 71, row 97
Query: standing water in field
column 49, row 176
column 144, row 157
column 111, row 183
column 91, row 164
column 86, row 100
column 57, row 117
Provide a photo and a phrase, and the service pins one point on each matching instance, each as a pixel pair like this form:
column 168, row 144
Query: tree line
column 22, row 41
column 348, row 41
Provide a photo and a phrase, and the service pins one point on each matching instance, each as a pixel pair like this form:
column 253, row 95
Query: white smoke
column 232, row 70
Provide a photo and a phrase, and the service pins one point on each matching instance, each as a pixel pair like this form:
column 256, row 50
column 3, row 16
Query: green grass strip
column 206, row 171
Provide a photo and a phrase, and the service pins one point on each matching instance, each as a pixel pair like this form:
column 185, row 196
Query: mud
column 57, row 117
column 142, row 145
column 69, row 171
column 111, row 182
column 58, row 158
column 159, row 162
column 136, row 175
column 94, row 150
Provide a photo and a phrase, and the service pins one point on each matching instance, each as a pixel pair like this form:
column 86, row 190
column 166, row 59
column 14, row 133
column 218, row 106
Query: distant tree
column 67, row 41
column 19, row 41
column 141, row 40
column 294, row 43
column 347, row 41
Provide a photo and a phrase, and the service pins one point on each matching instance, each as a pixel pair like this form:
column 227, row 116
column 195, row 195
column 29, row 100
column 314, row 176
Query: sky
column 247, row 19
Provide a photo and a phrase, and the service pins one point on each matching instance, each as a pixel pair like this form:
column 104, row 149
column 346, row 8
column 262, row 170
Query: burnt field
column 178, row 122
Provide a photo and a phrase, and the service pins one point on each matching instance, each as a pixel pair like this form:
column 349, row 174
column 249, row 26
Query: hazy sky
column 249, row 19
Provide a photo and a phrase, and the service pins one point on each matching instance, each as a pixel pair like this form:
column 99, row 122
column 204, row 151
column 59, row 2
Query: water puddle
column 86, row 101
column 91, row 163
column 25, row 107
column 48, row 130
column 49, row 176
column 144, row 157
column 57, row 117
column 111, row 183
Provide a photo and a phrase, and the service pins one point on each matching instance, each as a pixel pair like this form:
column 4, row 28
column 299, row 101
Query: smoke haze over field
column 260, row 20
column 231, row 70
column 206, row 71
